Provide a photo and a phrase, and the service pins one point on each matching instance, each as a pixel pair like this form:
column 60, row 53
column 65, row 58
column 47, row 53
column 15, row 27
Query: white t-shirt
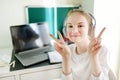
column 81, row 66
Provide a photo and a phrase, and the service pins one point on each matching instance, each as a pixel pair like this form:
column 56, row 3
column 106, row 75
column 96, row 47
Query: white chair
column 111, row 75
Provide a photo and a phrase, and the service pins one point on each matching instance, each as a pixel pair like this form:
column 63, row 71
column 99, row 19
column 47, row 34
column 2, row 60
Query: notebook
column 31, row 42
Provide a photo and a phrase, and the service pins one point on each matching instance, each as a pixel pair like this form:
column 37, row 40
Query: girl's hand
column 95, row 42
column 61, row 47
column 64, row 51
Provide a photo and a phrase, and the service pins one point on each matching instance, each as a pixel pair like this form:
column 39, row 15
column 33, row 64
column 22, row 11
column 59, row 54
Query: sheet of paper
column 54, row 57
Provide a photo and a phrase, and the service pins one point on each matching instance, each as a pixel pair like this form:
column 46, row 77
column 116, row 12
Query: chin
column 76, row 40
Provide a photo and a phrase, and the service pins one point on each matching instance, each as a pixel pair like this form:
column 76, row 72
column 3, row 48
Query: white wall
column 88, row 5
column 108, row 15
column 12, row 13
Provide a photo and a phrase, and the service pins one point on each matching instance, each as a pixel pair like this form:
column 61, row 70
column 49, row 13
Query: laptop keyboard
column 31, row 54
column 38, row 50
column 34, row 56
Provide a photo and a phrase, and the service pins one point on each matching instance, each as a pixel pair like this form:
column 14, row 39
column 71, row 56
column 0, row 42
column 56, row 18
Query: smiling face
column 77, row 27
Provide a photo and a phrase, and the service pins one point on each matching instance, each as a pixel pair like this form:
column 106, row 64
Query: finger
column 93, row 42
column 97, row 41
column 54, row 38
column 60, row 36
column 57, row 48
column 100, row 34
column 93, row 33
column 59, row 44
column 96, row 48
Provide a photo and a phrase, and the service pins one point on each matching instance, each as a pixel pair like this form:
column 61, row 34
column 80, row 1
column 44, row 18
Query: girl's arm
column 94, row 49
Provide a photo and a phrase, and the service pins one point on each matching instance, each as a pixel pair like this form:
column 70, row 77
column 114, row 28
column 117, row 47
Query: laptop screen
column 30, row 36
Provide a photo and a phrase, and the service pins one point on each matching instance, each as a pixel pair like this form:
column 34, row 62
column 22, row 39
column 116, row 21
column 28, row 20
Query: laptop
column 31, row 42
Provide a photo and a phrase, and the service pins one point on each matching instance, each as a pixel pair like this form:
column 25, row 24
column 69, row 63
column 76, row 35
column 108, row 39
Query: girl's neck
column 82, row 47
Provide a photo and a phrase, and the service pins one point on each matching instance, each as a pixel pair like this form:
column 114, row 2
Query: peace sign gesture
column 95, row 42
column 61, row 47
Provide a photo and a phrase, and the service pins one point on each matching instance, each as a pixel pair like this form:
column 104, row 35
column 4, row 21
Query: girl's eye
column 80, row 26
column 70, row 26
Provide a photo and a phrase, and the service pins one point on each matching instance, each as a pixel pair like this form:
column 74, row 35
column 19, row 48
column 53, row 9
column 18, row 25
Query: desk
column 48, row 72
column 19, row 66
column 40, row 71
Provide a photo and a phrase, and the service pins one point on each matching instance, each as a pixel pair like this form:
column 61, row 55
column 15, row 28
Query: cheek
column 68, row 33
column 86, row 34
column 86, row 30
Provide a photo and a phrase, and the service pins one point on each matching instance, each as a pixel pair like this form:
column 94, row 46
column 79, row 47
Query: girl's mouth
column 74, row 35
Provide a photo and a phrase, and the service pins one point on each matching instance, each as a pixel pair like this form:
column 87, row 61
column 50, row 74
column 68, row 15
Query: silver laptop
column 31, row 42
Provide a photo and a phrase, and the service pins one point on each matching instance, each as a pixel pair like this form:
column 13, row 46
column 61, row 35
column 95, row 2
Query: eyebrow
column 78, row 23
column 68, row 23
column 81, row 22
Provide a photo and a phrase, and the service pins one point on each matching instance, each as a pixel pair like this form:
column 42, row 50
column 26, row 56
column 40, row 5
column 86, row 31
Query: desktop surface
column 19, row 66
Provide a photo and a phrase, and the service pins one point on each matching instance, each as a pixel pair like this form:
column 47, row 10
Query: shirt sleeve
column 104, row 54
column 68, row 77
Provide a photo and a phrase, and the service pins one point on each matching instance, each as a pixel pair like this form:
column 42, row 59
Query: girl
column 86, row 59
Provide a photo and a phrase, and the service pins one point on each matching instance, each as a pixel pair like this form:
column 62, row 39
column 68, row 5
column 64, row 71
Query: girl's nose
column 75, row 30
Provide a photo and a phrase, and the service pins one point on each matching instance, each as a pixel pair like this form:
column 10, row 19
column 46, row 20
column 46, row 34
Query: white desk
column 47, row 72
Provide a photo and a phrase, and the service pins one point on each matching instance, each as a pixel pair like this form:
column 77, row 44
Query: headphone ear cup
column 64, row 31
column 90, row 28
column 93, row 20
column 93, row 23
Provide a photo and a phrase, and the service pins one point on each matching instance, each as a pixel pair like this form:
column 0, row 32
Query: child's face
column 77, row 27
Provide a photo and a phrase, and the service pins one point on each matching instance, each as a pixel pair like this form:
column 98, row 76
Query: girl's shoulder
column 104, row 52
